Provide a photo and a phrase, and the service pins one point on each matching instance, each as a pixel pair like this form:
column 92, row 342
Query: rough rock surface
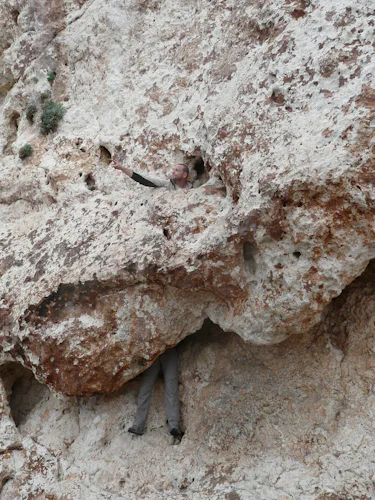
column 272, row 105
column 100, row 275
column 282, row 422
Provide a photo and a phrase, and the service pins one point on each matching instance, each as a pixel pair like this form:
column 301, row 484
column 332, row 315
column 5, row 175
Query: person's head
column 179, row 172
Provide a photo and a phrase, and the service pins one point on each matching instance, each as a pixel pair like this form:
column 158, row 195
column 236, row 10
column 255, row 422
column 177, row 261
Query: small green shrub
column 51, row 115
column 45, row 95
column 35, row 79
column 30, row 112
column 51, row 76
column 25, row 151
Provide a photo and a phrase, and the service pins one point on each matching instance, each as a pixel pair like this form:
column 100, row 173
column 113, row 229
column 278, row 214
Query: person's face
column 178, row 173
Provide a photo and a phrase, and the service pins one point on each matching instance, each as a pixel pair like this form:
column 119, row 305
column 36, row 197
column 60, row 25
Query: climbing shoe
column 176, row 432
column 136, row 430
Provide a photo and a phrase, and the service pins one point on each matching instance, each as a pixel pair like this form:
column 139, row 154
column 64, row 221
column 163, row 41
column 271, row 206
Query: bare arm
column 118, row 166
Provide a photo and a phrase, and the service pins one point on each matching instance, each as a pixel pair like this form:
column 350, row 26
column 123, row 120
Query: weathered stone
column 255, row 104
column 99, row 275
column 293, row 420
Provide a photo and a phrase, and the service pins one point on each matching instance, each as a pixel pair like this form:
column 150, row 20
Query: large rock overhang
column 100, row 275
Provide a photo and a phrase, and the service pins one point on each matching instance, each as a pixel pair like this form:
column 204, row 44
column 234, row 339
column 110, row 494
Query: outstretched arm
column 143, row 180
column 140, row 178
column 126, row 170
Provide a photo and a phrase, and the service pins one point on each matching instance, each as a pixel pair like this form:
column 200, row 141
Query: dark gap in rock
column 351, row 298
column 297, row 254
column 167, row 233
column 208, row 333
column 199, row 166
column 12, row 131
column 201, row 171
column 90, row 182
column 14, row 120
column 24, row 391
column 278, row 97
column 249, row 252
column 105, row 156
column 15, row 15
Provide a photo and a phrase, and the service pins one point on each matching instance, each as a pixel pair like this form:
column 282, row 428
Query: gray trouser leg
column 145, row 392
column 169, row 363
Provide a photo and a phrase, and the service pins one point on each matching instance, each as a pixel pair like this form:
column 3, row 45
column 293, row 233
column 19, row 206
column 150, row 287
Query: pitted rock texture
column 277, row 98
column 272, row 106
column 282, row 422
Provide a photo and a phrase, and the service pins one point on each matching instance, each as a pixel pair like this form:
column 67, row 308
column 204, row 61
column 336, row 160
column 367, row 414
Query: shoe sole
column 135, row 432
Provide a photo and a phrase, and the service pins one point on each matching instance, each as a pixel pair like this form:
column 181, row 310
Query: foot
column 176, row 432
column 136, row 430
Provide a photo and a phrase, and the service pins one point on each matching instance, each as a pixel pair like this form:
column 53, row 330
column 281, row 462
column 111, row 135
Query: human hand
column 125, row 170
column 115, row 164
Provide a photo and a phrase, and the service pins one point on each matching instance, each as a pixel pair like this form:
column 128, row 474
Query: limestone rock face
column 281, row 422
column 273, row 103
